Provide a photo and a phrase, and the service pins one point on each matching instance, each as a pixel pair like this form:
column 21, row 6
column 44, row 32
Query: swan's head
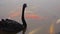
column 24, row 5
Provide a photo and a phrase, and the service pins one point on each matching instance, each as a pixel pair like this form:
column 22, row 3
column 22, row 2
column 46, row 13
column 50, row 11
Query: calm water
column 41, row 15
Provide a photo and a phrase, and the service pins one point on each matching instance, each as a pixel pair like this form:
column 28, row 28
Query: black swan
column 9, row 25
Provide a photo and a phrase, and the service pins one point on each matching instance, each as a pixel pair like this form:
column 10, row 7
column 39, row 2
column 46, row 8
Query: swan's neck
column 23, row 19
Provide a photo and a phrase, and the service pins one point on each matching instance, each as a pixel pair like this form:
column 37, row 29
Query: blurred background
column 42, row 16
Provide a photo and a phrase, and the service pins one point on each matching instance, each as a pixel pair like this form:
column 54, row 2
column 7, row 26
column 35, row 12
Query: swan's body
column 13, row 26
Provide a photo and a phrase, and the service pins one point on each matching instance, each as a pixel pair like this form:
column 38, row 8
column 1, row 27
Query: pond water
column 40, row 15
